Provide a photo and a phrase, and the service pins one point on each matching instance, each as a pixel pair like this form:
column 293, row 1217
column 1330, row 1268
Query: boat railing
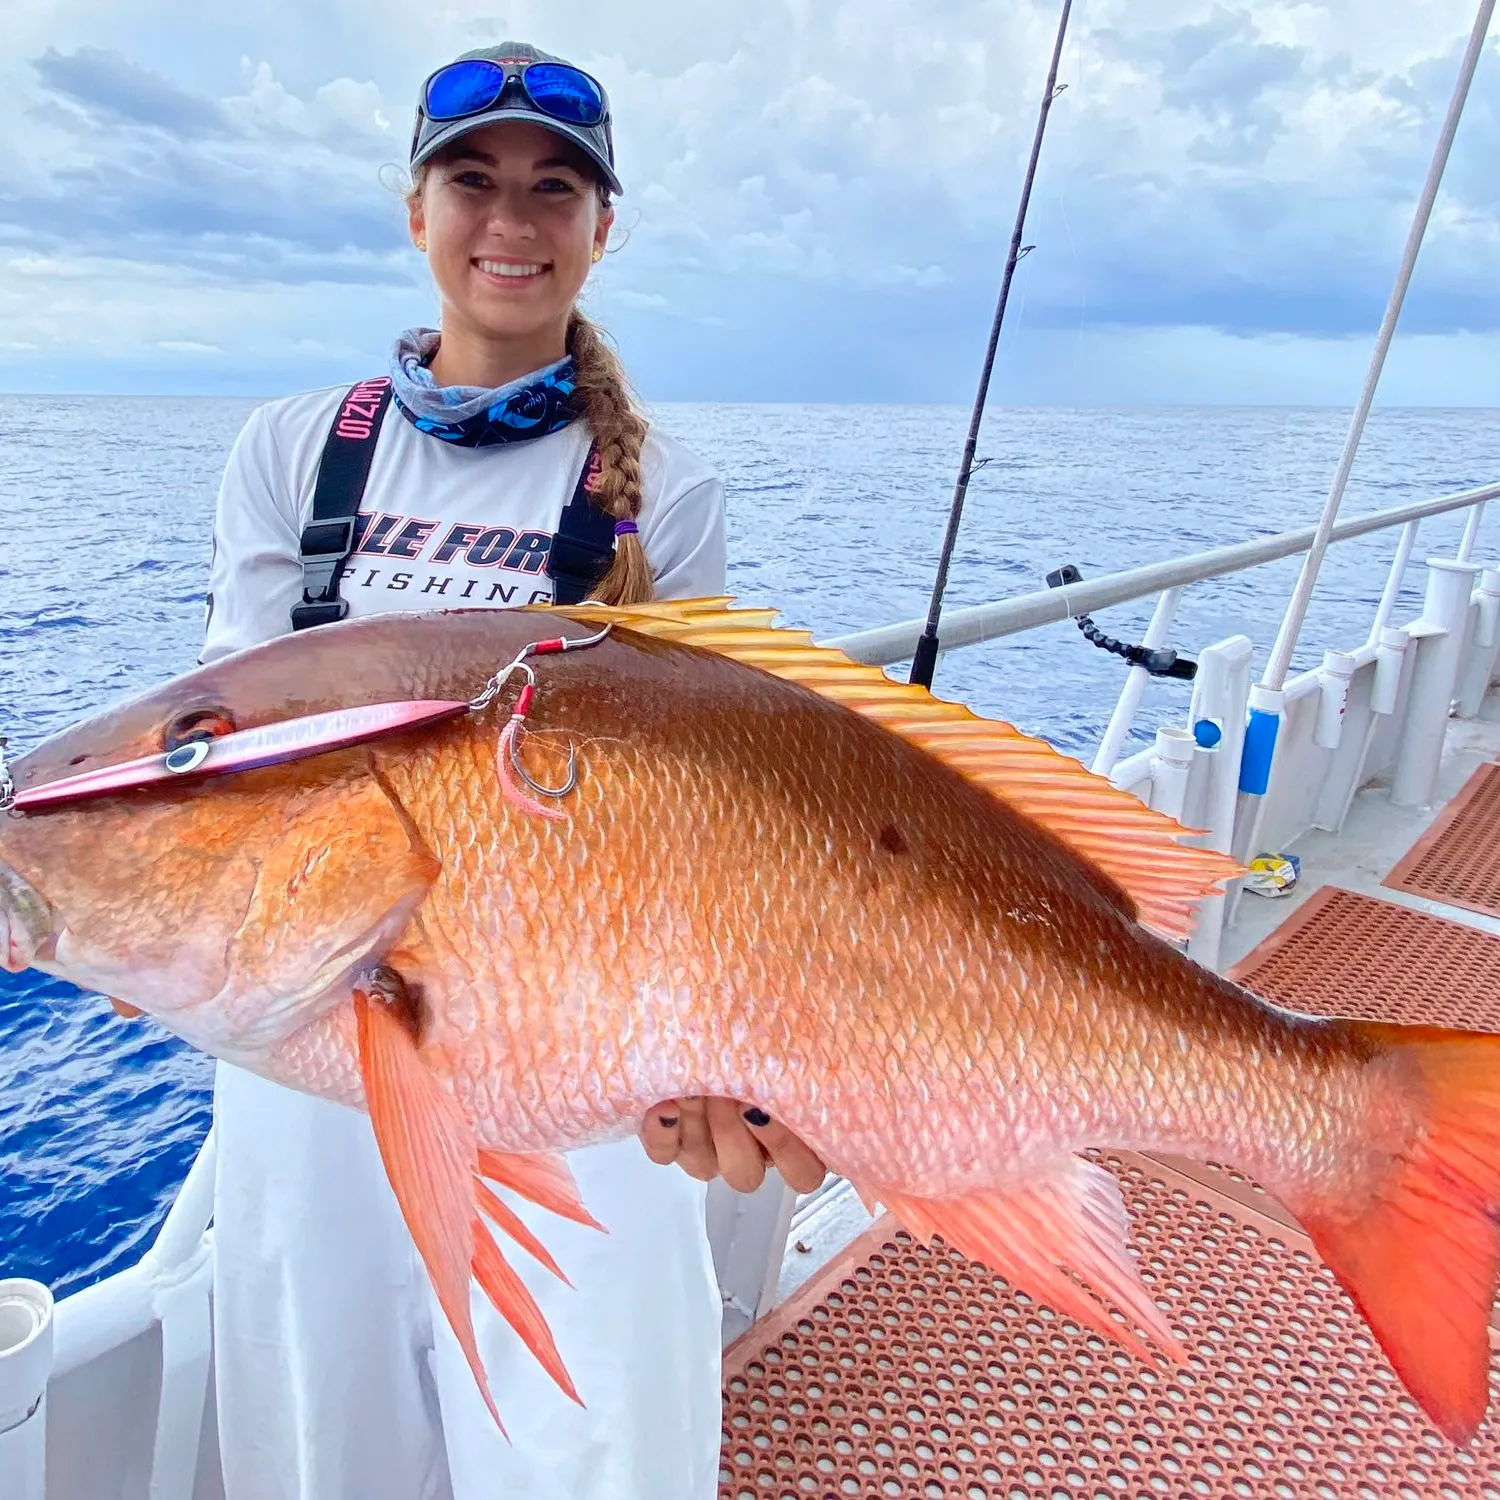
column 1378, row 710
column 972, row 626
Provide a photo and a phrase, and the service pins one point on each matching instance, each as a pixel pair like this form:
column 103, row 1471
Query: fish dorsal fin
column 1135, row 847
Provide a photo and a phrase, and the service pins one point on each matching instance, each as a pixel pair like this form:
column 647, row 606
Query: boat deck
column 898, row 1370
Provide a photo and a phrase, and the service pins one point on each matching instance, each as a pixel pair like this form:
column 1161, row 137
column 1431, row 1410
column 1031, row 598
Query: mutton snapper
column 918, row 938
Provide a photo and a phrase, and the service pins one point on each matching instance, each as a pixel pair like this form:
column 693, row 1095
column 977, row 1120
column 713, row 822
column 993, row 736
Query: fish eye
column 197, row 726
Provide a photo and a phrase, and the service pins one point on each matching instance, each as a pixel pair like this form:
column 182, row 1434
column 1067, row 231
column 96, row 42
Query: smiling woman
column 506, row 296
column 514, row 468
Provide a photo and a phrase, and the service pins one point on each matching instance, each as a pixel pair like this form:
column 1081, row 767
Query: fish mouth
column 27, row 931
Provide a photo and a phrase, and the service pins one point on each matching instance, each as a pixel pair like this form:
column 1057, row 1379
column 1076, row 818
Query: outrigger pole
column 1291, row 625
column 1266, row 698
column 925, row 658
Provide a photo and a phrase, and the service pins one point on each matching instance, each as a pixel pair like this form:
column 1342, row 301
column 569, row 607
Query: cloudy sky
column 198, row 197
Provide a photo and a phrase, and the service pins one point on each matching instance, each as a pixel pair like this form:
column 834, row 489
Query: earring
column 422, row 246
column 598, row 255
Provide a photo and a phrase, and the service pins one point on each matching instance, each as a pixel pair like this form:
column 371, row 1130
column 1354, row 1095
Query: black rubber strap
column 343, row 472
column 583, row 547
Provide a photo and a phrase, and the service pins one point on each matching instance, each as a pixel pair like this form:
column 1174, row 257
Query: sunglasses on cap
column 557, row 90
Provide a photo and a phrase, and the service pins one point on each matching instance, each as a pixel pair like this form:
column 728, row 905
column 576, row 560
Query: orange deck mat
column 1344, row 954
column 902, row 1371
column 1457, row 861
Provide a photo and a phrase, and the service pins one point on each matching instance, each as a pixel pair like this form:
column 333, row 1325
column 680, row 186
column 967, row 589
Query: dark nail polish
column 667, row 1122
column 757, row 1117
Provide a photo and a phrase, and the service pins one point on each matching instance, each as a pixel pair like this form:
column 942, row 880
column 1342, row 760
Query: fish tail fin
column 1420, row 1252
column 430, row 1156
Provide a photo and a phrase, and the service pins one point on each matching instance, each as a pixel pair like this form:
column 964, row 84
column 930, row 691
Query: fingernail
column 667, row 1122
column 757, row 1117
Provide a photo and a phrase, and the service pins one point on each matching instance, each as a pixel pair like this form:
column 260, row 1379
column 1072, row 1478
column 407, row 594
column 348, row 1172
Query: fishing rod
column 925, row 659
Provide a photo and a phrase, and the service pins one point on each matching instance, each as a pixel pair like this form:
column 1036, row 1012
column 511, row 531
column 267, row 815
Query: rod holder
column 1441, row 635
column 1489, row 608
column 1266, row 705
column 26, row 1322
column 1334, row 676
column 1478, row 664
column 1390, row 654
column 1171, row 765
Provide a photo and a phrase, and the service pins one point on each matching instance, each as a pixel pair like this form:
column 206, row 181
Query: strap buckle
column 325, row 548
column 322, row 538
column 343, row 471
column 318, row 612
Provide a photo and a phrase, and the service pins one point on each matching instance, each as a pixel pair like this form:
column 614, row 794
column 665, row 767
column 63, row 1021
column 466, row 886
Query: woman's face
column 512, row 217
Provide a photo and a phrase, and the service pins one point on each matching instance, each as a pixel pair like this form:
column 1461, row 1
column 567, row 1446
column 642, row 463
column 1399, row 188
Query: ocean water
column 835, row 516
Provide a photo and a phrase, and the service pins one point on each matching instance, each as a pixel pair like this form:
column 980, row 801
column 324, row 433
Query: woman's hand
column 711, row 1138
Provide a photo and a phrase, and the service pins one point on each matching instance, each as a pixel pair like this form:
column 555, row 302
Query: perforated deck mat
column 1457, row 860
column 906, row 1373
column 1351, row 955
column 901, row 1371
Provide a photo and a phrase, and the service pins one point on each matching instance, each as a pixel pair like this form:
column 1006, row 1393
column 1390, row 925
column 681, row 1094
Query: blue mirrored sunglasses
column 557, row 90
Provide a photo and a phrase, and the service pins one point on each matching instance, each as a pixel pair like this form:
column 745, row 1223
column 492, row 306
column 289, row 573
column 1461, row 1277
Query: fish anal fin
column 1072, row 1220
column 1137, row 849
column 541, row 1177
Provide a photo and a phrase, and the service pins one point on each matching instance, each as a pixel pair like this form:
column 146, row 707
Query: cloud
column 1244, row 170
column 113, row 87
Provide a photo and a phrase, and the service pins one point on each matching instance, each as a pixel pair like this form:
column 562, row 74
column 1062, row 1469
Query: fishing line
column 925, row 658
column 1083, row 285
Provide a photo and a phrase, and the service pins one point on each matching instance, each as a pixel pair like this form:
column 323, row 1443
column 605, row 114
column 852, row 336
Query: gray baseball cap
column 513, row 103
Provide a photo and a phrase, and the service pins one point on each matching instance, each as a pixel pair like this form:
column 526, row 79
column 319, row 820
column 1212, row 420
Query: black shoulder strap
column 583, row 547
column 343, row 472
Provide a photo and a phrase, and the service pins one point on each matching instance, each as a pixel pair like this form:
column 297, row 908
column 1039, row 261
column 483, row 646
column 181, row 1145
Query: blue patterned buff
column 470, row 416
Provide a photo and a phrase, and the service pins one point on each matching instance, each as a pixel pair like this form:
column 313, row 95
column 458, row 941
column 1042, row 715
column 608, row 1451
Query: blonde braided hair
column 605, row 403
column 603, row 399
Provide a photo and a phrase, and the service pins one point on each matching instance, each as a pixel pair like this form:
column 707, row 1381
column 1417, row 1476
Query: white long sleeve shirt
column 337, row 1376
column 441, row 526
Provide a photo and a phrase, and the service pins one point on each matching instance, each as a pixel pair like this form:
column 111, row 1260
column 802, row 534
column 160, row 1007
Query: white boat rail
column 147, row 1326
column 971, row 626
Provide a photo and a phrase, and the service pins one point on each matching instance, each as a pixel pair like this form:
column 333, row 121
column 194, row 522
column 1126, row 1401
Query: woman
column 337, row 1376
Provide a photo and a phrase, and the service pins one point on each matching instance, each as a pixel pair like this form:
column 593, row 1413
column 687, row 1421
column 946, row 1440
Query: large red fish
column 912, row 935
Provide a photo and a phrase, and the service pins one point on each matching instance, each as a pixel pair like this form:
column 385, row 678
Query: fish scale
column 917, row 938
column 572, row 956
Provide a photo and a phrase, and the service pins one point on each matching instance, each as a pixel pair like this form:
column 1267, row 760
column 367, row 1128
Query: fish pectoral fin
column 1073, row 1220
column 430, row 1157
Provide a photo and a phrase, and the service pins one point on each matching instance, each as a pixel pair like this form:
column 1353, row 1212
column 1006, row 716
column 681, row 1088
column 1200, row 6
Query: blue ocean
column 836, row 515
